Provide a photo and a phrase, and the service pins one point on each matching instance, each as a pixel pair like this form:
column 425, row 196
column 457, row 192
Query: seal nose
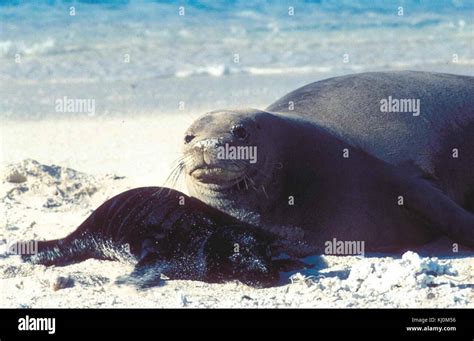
column 208, row 148
column 207, row 144
column 208, row 158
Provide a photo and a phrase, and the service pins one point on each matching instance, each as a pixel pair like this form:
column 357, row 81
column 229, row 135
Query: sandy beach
column 46, row 201
column 149, row 73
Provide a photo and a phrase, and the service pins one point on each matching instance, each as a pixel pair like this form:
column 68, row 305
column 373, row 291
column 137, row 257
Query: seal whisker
column 256, row 169
column 246, row 185
column 174, row 175
column 252, row 183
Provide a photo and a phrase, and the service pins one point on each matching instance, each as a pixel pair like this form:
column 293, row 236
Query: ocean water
column 67, row 47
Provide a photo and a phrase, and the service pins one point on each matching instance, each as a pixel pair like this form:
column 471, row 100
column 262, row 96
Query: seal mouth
column 216, row 175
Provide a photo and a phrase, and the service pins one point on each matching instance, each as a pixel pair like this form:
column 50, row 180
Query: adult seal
column 168, row 233
column 339, row 158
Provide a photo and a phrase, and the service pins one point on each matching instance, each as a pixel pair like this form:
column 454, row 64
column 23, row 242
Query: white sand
column 44, row 203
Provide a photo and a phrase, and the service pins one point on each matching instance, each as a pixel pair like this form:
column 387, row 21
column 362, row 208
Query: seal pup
column 168, row 233
column 332, row 163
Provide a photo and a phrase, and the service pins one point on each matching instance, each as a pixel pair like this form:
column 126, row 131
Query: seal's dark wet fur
column 168, row 233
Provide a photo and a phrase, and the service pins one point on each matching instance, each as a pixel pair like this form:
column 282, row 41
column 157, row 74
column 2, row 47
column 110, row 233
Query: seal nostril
column 239, row 132
column 188, row 138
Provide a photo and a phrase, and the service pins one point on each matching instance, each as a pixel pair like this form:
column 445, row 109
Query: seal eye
column 239, row 132
column 188, row 138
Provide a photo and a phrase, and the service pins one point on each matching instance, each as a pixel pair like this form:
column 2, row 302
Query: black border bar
column 379, row 322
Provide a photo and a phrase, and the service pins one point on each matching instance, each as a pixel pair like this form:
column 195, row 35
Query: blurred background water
column 143, row 56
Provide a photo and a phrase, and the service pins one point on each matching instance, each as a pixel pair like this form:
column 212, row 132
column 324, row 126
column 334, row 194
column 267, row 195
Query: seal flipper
column 440, row 211
column 147, row 272
column 71, row 250
column 59, row 252
column 470, row 200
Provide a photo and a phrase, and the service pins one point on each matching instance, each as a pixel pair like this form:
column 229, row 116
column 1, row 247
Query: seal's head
column 228, row 149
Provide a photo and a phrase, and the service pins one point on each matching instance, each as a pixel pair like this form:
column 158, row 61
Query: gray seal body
column 386, row 158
